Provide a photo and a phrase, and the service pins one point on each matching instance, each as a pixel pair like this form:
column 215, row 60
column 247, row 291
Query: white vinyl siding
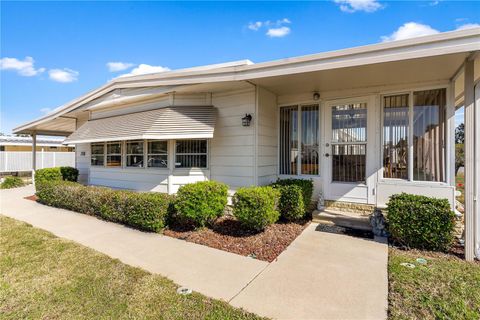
column 267, row 138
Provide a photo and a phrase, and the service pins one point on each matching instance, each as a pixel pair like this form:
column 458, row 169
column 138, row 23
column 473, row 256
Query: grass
column 445, row 288
column 460, row 185
column 45, row 277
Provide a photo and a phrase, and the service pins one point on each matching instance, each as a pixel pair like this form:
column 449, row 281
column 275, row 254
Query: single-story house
column 363, row 123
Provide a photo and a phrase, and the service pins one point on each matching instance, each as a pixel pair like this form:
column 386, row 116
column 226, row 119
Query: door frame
column 344, row 191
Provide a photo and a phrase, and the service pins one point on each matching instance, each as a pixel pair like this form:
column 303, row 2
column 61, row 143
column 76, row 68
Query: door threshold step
column 342, row 219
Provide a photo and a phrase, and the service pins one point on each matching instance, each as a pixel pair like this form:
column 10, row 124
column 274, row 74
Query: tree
column 460, row 134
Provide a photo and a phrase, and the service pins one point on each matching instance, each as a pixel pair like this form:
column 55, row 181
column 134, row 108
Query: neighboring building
column 15, row 154
column 13, row 143
column 362, row 123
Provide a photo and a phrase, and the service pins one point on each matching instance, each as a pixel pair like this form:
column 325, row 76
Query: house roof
column 449, row 43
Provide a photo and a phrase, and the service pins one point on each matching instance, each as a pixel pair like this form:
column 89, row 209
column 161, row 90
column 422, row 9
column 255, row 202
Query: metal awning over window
column 166, row 123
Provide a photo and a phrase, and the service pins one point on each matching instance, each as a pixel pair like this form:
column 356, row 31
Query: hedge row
column 145, row 211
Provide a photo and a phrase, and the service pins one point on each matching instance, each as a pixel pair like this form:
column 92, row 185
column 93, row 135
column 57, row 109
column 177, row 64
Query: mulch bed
column 228, row 234
column 32, row 197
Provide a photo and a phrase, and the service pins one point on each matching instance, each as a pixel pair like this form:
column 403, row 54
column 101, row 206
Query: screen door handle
column 327, row 155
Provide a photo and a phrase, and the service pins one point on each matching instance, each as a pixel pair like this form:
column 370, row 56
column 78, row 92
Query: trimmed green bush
column 291, row 204
column 305, row 185
column 256, row 207
column 11, row 182
column 421, row 222
column 69, row 174
column 47, row 174
column 201, row 203
column 145, row 211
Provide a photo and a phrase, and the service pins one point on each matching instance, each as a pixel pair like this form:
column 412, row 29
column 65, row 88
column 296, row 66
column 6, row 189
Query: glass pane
column 157, row 147
column 135, row 147
column 191, row 161
column 114, row 148
column 395, row 137
column 114, row 161
column 288, row 140
column 429, row 135
column 349, row 123
column 97, row 160
column 134, row 161
column 158, row 161
column 97, row 148
column 191, row 146
column 348, row 162
column 310, row 140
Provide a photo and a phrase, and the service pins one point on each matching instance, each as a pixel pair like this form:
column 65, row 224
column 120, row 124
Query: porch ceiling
column 373, row 75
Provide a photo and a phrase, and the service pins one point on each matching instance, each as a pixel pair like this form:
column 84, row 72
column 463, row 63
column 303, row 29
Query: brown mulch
column 32, row 197
column 228, row 234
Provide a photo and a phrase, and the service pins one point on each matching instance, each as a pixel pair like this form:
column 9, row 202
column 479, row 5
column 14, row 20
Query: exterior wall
column 267, row 137
column 82, row 161
column 232, row 147
column 231, row 151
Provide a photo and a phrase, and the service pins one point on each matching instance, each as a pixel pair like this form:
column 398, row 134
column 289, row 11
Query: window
column 429, row 135
column 395, row 136
column 135, row 154
column 114, row 154
column 157, row 156
column 191, row 154
column 288, row 140
column 349, row 142
column 299, row 148
column 417, row 121
column 97, row 154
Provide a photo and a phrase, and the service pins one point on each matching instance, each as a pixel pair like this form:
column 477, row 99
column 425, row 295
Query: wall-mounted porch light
column 316, row 96
column 246, row 120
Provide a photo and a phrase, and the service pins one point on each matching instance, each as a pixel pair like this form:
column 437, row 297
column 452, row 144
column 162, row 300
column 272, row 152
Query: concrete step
column 342, row 219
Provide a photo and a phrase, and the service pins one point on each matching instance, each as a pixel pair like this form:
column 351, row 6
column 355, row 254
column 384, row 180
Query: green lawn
column 45, row 277
column 445, row 288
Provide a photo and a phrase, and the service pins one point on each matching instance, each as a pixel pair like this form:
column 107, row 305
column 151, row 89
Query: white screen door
column 347, row 150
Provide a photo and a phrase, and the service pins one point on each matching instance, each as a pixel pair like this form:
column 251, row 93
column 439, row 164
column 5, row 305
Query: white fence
column 13, row 161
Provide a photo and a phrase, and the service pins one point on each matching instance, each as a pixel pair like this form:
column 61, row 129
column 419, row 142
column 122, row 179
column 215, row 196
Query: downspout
column 34, row 155
column 255, row 135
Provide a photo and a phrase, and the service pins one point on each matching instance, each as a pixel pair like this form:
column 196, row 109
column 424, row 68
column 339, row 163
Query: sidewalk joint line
column 248, row 283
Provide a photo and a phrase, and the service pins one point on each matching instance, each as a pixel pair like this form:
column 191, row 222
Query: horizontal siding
column 134, row 178
column 232, row 146
column 267, row 137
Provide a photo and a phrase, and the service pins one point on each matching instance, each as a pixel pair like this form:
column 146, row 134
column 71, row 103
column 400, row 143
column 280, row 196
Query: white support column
column 470, row 153
column 34, row 155
column 477, row 172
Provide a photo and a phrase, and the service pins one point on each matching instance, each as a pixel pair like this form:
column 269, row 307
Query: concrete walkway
column 319, row 276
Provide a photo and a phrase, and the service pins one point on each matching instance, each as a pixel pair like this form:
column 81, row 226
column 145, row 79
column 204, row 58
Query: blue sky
column 53, row 52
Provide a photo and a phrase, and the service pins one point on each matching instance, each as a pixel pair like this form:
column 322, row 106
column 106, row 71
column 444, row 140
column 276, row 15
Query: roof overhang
column 424, row 52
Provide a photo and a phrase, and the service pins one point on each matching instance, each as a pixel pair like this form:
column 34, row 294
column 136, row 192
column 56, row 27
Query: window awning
column 166, row 123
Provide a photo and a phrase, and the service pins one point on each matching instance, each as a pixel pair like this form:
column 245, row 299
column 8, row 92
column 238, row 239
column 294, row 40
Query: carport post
column 34, row 155
column 471, row 154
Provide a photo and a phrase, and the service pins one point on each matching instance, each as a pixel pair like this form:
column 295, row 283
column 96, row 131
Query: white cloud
column 118, row 66
column 24, row 67
column 358, row 5
column 255, row 25
column 275, row 29
column 410, row 30
column 278, row 32
column 468, row 26
column 46, row 110
column 145, row 69
column 63, row 75
column 413, row 29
